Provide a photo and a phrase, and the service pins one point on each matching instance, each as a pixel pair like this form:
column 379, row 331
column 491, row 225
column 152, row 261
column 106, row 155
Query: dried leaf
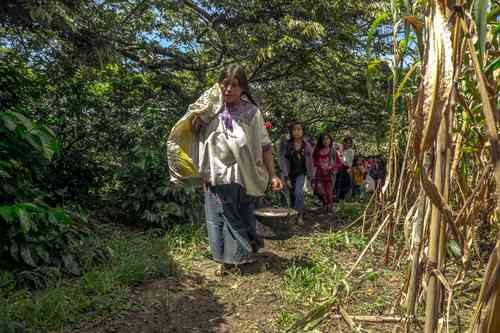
column 438, row 201
column 415, row 23
column 418, row 119
column 438, row 77
column 487, row 109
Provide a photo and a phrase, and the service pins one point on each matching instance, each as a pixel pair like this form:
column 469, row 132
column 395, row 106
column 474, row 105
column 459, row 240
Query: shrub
column 147, row 196
column 33, row 234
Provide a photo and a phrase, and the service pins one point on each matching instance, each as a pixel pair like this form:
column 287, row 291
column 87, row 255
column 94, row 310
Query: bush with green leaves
column 32, row 234
column 74, row 177
column 35, row 236
column 147, row 196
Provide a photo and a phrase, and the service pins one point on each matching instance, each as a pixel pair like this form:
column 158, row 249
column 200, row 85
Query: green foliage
column 481, row 8
column 102, row 289
column 286, row 320
column 299, row 281
column 187, row 241
column 382, row 17
column 349, row 211
column 24, row 147
column 147, row 196
column 341, row 241
column 305, row 60
column 33, row 234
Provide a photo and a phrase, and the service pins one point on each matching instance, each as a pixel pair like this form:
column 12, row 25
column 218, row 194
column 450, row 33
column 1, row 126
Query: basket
column 276, row 222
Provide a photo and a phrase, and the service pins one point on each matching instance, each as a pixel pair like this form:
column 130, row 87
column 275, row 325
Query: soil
column 200, row 301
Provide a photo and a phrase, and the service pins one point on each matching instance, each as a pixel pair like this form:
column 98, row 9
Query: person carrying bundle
column 223, row 140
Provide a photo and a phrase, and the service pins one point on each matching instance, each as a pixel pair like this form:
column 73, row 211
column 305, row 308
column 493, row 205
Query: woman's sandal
column 220, row 271
column 225, row 269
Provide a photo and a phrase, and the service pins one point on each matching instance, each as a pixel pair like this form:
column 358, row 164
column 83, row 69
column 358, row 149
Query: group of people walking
column 333, row 170
column 223, row 141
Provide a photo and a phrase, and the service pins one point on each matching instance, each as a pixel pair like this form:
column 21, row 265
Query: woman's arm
column 267, row 157
column 285, row 163
column 308, row 151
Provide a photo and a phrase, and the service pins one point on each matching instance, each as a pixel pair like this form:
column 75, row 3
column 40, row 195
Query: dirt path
column 199, row 301
column 290, row 277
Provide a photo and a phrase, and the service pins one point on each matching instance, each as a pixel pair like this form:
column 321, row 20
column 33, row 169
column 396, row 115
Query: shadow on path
column 198, row 301
column 175, row 304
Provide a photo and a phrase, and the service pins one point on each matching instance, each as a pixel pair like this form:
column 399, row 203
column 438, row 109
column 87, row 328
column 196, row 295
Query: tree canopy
column 307, row 60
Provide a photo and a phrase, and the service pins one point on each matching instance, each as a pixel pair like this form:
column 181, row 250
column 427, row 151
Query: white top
column 231, row 147
column 348, row 157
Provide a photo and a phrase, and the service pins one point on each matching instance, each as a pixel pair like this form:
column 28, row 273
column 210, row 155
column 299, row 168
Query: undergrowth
column 103, row 289
column 322, row 266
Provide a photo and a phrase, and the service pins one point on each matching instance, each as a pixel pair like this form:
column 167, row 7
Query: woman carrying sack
column 230, row 150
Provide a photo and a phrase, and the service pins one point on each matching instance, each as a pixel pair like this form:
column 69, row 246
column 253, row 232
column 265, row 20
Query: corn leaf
column 480, row 16
column 438, row 77
column 492, row 66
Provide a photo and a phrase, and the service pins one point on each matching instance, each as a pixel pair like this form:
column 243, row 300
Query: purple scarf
column 226, row 116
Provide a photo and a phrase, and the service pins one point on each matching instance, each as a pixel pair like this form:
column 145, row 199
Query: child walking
column 325, row 165
column 358, row 178
column 296, row 161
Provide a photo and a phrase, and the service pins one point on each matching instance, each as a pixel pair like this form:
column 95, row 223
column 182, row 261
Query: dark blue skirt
column 231, row 223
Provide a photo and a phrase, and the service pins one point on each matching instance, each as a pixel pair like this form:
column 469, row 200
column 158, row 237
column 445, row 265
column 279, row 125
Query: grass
column 104, row 289
column 314, row 275
column 320, row 269
column 186, row 242
column 287, row 319
column 349, row 210
column 316, row 263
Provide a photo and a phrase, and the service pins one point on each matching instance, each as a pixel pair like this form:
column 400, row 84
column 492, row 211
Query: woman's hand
column 276, row 184
column 289, row 184
column 196, row 123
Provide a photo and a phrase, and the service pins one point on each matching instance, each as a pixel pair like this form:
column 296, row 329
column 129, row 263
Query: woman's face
column 232, row 91
column 297, row 132
column 326, row 141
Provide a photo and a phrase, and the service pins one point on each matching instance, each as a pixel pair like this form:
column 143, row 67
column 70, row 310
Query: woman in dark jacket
column 297, row 164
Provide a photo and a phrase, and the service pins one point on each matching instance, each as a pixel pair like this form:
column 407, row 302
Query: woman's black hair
column 236, row 71
column 319, row 144
column 292, row 125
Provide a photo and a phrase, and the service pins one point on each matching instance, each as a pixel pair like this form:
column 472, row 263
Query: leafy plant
column 35, row 235
column 147, row 195
column 101, row 289
column 32, row 234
